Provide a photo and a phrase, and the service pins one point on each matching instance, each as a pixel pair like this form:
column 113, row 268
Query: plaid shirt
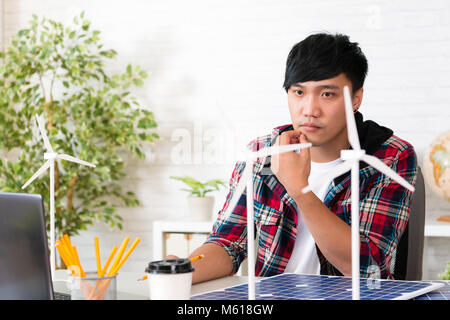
column 384, row 208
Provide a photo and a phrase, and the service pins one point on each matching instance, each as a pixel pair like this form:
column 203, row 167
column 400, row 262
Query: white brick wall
column 211, row 62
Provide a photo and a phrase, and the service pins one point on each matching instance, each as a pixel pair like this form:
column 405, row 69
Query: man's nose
column 310, row 107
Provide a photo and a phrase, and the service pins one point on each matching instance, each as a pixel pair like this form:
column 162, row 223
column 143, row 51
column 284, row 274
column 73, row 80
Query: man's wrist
column 303, row 199
column 299, row 190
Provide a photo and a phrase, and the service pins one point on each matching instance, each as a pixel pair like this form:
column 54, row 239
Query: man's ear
column 357, row 99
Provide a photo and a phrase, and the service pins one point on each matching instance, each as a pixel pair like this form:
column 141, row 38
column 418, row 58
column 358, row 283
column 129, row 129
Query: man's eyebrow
column 324, row 86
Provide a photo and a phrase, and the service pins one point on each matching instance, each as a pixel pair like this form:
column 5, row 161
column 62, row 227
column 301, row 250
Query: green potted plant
column 200, row 205
column 60, row 73
column 446, row 274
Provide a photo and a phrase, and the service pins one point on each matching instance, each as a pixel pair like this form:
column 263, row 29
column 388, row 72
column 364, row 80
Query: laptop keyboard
column 61, row 296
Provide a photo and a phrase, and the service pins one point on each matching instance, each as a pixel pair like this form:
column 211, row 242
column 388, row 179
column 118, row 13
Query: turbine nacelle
column 50, row 155
column 352, row 154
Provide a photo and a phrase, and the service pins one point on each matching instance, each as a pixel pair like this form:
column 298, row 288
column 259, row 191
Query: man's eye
column 298, row 92
column 328, row 94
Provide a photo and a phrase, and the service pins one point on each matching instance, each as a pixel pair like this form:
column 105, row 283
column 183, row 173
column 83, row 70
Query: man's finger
column 303, row 138
column 295, row 140
column 289, row 137
column 304, row 151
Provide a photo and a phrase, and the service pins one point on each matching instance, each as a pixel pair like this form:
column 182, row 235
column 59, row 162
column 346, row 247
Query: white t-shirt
column 304, row 257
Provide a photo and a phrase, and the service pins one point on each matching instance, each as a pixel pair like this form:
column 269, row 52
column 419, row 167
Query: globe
column 436, row 166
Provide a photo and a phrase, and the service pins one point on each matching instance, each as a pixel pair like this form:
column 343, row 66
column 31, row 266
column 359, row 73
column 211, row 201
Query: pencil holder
column 92, row 287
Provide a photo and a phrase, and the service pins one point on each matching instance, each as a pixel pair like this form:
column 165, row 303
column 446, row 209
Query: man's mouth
column 310, row 127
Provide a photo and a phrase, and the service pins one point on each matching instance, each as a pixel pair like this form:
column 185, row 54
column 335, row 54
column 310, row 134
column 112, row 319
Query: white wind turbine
column 246, row 180
column 351, row 159
column 51, row 157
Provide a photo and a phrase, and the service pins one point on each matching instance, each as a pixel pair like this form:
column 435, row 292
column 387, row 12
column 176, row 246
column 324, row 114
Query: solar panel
column 442, row 293
column 291, row 286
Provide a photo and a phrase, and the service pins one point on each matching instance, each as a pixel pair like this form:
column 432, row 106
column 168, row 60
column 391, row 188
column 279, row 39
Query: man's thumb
column 305, row 151
column 303, row 139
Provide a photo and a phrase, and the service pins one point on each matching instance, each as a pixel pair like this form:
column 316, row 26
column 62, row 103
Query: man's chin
column 310, row 139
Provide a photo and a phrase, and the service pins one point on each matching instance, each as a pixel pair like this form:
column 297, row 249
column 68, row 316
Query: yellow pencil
column 77, row 260
column 67, row 239
column 68, row 244
column 197, row 258
column 67, row 253
column 119, row 255
column 125, row 257
column 71, row 255
column 97, row 255
column 111, row 255
column 66, row 260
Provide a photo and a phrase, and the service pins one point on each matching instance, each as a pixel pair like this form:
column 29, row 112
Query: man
column 311, row 233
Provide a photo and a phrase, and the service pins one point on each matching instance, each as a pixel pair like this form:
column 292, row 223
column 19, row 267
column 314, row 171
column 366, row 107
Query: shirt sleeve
column 231, row 232
column 384, row 213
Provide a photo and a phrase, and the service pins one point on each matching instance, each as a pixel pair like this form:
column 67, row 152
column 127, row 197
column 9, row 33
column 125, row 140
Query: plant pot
column 200, row 209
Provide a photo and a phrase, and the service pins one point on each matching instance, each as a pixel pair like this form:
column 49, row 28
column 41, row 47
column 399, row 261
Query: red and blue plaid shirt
column 384, row 208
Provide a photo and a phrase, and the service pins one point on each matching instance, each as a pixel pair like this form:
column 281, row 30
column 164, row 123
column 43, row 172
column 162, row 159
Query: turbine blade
column 73, row 159
column 41, row 125
column 336, row 172
column 279, row 149
column 239, row 190
column 44, row 167
column 380, row 166
column 351, row 124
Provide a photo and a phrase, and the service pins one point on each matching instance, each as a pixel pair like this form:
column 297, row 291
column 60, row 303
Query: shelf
column 183, row 226
column 435, row 228
column 161, row 227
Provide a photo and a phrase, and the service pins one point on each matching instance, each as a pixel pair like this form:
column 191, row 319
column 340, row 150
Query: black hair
column 322, row 56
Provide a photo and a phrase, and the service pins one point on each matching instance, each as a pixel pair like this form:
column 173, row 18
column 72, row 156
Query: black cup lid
column 170, row 266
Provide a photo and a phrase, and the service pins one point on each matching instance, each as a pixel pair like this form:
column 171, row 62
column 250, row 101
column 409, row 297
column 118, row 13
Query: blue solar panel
column 290, row 286
column 442, row 293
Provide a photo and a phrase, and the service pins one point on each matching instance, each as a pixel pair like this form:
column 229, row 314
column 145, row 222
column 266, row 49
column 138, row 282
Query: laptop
column 24, row 256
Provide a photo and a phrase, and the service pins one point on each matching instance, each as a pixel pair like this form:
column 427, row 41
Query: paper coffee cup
column 170, row 279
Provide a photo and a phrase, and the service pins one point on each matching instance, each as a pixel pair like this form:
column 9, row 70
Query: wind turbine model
column 51, row 157
column 247, row 180
column 351, row 159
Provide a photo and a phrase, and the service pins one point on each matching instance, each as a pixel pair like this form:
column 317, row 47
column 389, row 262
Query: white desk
column 128, row 288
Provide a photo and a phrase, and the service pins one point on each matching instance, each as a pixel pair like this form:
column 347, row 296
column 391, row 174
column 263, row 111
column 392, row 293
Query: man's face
column 317, row 109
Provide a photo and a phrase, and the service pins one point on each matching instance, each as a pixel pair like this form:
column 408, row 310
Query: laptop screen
column 24, row 257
